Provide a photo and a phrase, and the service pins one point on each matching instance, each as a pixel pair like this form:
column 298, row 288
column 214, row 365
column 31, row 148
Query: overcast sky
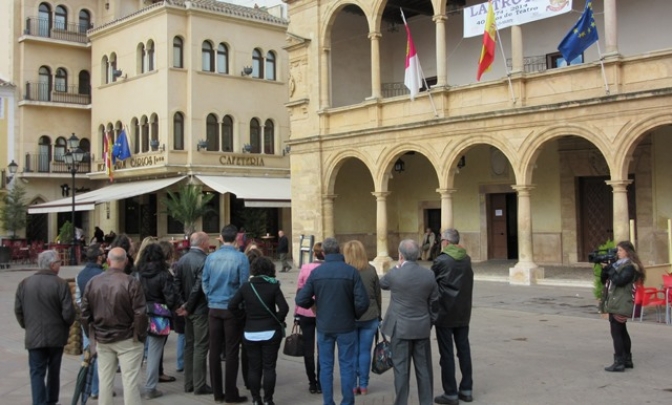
column 251, row 3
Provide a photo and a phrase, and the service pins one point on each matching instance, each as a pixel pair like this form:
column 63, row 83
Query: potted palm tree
column 187, row 205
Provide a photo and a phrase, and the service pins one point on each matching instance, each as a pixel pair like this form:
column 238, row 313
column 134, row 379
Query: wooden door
column 497, row 235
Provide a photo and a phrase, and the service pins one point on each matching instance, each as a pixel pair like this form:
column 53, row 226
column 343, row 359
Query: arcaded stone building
column 538, row 170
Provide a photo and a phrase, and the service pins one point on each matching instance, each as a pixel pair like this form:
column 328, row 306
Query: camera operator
column 620, row 279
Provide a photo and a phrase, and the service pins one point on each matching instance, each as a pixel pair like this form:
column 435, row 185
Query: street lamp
column 12, row 167
column 73, row 157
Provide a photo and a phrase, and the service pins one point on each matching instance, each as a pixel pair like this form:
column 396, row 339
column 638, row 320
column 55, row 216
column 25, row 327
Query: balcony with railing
column 77, row 94
column 45, row 163
column 45, row 28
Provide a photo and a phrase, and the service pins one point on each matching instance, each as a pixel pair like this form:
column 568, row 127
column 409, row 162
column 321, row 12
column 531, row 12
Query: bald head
column 200, row 240
column 117, row 258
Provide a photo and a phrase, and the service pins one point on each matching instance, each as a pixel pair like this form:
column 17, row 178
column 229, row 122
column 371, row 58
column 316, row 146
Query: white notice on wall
column 499, row 213
column 512, row 12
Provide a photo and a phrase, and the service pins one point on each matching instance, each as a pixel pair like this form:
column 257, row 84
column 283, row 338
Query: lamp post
column 73, row 157
column 12, row 167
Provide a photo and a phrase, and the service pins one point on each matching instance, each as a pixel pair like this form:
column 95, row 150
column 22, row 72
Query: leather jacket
column 455, row 277
column 188, row 281
column 114, row 308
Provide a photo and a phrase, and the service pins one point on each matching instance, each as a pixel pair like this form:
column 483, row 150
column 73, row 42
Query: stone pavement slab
column 530, row 345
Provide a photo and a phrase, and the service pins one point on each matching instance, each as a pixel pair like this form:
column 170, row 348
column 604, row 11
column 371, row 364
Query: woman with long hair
column 367, row 324
column 307, row 323
column 621, row 279
column 265, row 309
column 157, row 284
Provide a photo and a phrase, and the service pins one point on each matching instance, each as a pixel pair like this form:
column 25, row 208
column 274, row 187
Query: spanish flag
column 489, row 43
column 107, row 155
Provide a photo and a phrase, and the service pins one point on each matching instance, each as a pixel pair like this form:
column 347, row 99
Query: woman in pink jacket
column 306, row 319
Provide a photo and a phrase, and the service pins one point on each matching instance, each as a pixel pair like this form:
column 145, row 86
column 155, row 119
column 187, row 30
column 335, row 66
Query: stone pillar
column 517, row 63
column 328, row 214
column 375, row 64
column 610, row 29
column 325, row 67
column 621, row 218
column 446, row 207
column 441, row 73
column 383, row 261
column 525, row 272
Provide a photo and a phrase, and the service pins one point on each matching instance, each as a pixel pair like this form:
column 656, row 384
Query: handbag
column 381, row 360
column 294, row 343
column 159, row 319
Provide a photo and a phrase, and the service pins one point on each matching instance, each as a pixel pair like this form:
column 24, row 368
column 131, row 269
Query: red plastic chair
column 667, row 289
column 648, row 297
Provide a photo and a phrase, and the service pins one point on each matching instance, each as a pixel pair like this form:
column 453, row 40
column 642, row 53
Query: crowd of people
column 232, row 307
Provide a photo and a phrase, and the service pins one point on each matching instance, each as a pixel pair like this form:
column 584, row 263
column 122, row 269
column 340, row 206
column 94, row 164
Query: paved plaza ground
column 542, row 344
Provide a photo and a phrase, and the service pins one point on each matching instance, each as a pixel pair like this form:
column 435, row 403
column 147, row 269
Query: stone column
column 383, row 261
column 328, row 215
column 610, row 29
column 375, row 64
column 325, row 67
column 446, row 207
column 517, row 63
column 525, row 272
column 441, row 74
column 621, row 218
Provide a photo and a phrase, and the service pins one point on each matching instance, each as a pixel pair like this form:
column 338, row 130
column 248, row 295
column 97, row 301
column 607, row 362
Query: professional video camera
column 607, row 256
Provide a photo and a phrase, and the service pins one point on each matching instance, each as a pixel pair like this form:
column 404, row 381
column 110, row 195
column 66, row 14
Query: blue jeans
column 347, row 343
column 366, row 330
column 180, row 351
column 444, row 337
column 94, row 364
column 43, row 362
column 154, row 354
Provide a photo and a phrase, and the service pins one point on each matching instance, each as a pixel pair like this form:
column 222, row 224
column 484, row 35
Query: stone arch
column 629, row 136
column 331, row 13
column 335, row 162
column 536, row 139
column 454, row 153
column 387, row 159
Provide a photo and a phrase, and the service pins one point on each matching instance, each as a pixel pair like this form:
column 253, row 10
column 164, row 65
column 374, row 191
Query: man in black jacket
column 44, row 308
column 188, row 284
column 283, row 251
column 455, row 278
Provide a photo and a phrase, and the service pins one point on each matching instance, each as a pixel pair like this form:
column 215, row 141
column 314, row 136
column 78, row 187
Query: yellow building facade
column 197, row 87
column 539, row 163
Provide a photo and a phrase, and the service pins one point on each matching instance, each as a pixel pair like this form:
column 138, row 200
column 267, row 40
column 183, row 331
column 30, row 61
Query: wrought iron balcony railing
column 73, row 32
column 46, row 163
column 78, row 94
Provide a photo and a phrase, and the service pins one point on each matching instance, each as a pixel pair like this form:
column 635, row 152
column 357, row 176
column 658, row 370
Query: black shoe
column 618, row 366
column 269, row 403
column 238, row 400
column 465, row 397
column 628, row 361
column 444, row 400
column 312, row 388
column 190, row 389
column 204, row 390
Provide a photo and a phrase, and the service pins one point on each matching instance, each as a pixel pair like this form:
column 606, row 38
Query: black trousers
column 307, row 324
column 445, row 337
column 223, row 325
column 262, row 357
column 620, row 336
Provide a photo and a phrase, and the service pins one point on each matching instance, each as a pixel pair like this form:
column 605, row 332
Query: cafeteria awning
column 117, row 191
column 256, row 191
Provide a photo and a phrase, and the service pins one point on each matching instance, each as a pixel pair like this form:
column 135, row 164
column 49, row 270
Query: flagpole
column 604, row 74
column 506, row 68
column 431, row 99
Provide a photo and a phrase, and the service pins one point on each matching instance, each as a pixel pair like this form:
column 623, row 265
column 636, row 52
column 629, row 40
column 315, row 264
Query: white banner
column 512, row 12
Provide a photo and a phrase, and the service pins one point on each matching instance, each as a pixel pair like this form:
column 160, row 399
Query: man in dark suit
column 455, row 279
column 412, row 311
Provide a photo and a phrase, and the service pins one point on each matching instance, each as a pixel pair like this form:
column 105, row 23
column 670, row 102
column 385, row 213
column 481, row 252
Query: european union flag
column 582, row 35
column 122, row 149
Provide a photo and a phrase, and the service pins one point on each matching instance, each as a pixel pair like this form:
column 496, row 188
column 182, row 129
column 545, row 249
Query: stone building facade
column 539, row 163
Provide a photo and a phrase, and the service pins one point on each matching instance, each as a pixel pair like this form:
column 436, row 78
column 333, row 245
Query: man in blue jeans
column 44, row 308
column 336, row 290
